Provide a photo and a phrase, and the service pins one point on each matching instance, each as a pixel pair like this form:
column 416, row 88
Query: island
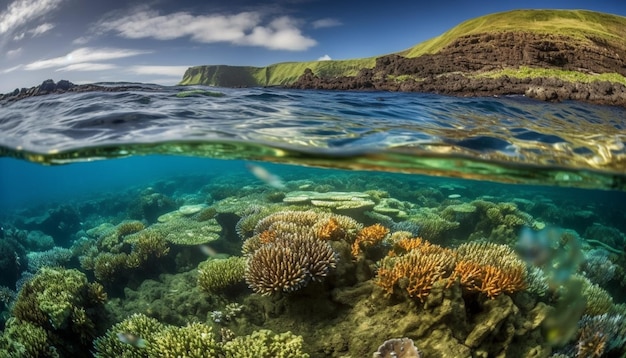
column 550, row 55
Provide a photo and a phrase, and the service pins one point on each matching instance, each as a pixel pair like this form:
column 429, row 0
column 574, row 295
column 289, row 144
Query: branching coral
column 489, row 268
column 417, row 270
column 62, row 302
column 138, row 325
column 217, row 274
column 195, row 340
column 25, row 339
column 265, row 344
column 288, row 264
column 368, row 236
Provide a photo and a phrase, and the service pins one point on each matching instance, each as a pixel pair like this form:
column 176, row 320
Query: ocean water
column 271, row 222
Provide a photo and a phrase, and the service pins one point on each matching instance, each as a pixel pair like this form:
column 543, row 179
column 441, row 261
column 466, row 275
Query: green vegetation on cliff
column 579, row 24
column 274, row 75
column 582, row 25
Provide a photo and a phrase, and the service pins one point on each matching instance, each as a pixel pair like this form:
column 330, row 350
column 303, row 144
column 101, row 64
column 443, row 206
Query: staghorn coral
column 600, row 335
column 368, row 236
column 489, row 268
column 288, row 264
column 217, row 274
column 265, row 344
column 597, row 267
column 138, row 325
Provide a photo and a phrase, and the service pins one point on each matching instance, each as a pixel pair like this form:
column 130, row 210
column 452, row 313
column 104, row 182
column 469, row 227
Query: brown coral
column 288, row 264
column 368, row 236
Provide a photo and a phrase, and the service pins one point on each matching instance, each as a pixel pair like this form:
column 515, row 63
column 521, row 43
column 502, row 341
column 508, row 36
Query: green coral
column 139, row 325
column 64, row 304
column 195, row 340
column 265, row 344
column 217, row 274
column 25, row 339
column 599, row 301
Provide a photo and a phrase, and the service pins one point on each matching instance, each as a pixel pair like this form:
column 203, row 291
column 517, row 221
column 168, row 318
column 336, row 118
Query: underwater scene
column 169, row 222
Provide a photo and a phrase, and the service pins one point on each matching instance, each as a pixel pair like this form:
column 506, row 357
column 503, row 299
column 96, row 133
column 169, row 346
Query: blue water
column 546, row 180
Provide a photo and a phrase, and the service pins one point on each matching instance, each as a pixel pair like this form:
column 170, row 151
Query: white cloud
column 19, row 36
column 87, row 66
column 21, row 12
column 43, row 28
column 245, row 28
column 84, row 54
column 326, row 22
column 324, row 58
column 14, row 53
column 174, row 71
column 11, row 69
column 81, row 40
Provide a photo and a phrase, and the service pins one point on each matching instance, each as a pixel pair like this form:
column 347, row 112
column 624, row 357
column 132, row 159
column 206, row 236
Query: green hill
column 583, row 27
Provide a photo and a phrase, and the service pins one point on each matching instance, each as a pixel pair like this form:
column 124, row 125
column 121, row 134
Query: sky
column 155, row 41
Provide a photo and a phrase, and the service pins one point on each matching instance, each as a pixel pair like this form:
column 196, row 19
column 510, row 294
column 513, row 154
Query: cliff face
column 222, row 75
column 459, row 69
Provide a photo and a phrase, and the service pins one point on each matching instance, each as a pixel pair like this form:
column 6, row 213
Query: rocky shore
column 51, row 87
column 457, row 69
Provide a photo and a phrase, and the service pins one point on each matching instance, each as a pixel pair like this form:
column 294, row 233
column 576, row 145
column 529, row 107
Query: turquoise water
column 264, row 211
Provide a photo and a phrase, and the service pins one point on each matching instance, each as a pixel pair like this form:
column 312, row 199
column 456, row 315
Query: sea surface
column 118, row 208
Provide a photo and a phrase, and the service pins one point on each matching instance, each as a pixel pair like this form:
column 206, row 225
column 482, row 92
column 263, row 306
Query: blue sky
column 155, row 41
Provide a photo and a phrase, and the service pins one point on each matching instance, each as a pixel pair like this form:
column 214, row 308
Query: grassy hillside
column 579, row 24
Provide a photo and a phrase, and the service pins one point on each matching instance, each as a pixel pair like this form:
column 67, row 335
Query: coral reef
column 139, row 325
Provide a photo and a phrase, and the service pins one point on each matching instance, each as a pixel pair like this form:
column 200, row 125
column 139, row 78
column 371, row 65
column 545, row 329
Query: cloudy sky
column 155, row 41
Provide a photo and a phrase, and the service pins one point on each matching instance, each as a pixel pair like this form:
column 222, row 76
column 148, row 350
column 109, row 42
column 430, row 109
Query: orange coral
column 267, row 236
column 488, row 279
column 422, row 266
column 329, row 230
column 368, row 236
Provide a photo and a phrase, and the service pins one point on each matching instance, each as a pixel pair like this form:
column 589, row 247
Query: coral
column 288, row 264
column 598, row 268
column 7, row 296
column 56, row 256
column 489, row 268
column 217, row 274
column 599, row 335
column 265, row 344
column 354, row 202
column 431, row 225
column 129, row 227
column 138, row 325
column 599, row 301
column 25, row 339
column 64, row 303
column 368, row 236
column 186, row 231
column 537, row 282
column 417, row 270
column 195, row 340
column 397, row 347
